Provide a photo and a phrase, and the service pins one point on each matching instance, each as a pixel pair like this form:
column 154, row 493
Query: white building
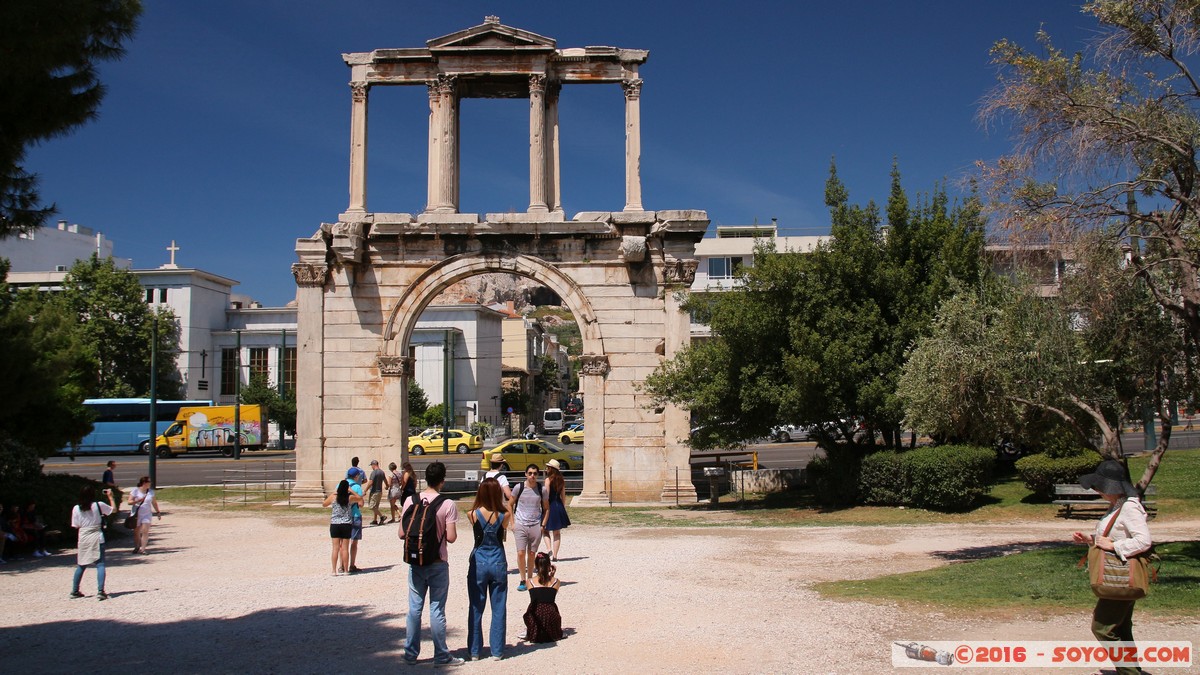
column 55, row 249
column 732, row 249
column 463, row 343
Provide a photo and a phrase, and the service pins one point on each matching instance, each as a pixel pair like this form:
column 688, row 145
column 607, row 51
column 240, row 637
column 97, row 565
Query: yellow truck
column 212, row 428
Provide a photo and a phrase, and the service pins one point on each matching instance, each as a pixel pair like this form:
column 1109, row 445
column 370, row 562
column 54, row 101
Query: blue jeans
column 488, row 575
column 99, row 573
column 435, row 579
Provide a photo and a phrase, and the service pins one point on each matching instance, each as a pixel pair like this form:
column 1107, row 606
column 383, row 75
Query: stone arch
column 441, row 276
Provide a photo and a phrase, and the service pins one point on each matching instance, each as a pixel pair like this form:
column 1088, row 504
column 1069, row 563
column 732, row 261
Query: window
column 260, row 363
column 289, row 369
column 149, row 295
column 229, row 368
column 724, row 268
column 162, row 295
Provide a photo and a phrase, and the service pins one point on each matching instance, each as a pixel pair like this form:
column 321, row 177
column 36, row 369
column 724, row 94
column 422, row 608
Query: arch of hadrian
column 364, row 280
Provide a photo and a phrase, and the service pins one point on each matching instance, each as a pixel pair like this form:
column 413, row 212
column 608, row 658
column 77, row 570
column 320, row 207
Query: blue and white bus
column 122, row 425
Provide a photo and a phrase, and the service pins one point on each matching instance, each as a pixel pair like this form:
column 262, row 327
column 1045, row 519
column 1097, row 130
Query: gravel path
column 225, row 592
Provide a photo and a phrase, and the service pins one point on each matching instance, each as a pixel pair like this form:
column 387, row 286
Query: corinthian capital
column 594, row 364
column 537, row 84
column 358, row 91
column 680, row 271
column 633, row 88
column 395, row 366
column 446, row 84
column 310, row 275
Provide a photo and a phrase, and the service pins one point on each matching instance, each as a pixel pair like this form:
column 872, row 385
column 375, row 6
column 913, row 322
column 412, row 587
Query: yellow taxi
column 430, row 440
column 520, row 453
column 572, row 435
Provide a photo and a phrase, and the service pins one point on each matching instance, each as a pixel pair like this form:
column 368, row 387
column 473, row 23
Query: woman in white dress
column 86, row 517
column 142, row 499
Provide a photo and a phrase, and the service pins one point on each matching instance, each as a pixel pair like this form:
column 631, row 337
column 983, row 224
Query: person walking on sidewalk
column 86, row 517
column 375, row 493
column 434, row 578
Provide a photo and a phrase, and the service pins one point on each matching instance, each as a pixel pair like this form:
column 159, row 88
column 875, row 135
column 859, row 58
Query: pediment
column 492, row 35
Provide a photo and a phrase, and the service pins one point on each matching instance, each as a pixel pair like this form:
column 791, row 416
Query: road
column 212, row 469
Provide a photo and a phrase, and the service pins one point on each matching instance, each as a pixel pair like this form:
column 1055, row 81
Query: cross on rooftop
column 173, row 249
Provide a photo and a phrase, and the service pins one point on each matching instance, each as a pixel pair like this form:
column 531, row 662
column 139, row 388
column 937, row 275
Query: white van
column 552, row 421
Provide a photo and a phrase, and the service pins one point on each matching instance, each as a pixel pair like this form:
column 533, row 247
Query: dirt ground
column 232, row 592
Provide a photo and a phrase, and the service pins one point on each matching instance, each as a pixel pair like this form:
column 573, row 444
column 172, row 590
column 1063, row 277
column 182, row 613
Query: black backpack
column 418, row 527
column 537, row 487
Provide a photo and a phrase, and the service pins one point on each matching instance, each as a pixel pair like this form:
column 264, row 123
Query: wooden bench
column 1074, row 499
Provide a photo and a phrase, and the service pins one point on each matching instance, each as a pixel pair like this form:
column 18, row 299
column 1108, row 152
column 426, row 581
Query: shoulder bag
column 1115, row 579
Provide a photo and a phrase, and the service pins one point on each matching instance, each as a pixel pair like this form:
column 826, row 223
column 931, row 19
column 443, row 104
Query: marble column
column 358, row 146
column 395, row 371
column 553, row 177
column 537, row 144
column 447, row 143
column 435, row 152
column 633, row 144
column 310, row 349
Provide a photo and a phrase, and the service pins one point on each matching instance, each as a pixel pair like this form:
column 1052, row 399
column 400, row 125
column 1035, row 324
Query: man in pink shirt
column 433, row 578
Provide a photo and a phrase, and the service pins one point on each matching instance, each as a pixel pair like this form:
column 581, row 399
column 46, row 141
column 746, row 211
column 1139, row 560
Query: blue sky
column 226, row 125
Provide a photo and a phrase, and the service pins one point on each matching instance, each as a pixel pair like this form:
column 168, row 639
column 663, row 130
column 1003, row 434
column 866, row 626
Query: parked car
column 520, row 453
column 574, row 434
column 461, row 441
column 785, row 433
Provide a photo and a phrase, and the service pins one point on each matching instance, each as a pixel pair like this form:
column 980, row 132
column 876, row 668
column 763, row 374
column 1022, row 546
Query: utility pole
column 447, row 398
column 153, row 400
column 237, row 400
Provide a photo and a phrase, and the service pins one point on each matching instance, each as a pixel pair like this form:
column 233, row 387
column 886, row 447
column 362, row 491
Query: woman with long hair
column 487, row 574
column 340, row 526
column 543, row 623
column 145, row 505
column 557, row 518
column 86, row 517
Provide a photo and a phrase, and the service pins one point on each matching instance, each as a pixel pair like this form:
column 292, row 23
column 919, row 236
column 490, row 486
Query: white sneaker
column 37, row 554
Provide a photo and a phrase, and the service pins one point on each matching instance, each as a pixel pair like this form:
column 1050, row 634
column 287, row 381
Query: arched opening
column 420, row 328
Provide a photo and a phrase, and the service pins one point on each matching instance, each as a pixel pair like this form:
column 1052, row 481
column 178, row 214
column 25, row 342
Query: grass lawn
column 1045, row 580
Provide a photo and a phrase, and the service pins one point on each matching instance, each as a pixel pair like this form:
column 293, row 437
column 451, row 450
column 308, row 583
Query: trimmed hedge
column 940, row 478
column 1041, row 472
column 882, row 480
column 948, row 477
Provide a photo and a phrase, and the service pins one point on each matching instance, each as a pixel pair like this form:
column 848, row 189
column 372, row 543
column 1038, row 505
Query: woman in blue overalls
column 487, row 574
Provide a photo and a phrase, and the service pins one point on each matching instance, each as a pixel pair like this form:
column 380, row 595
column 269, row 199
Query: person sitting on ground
column 35, row 528
column 543, row 623
column 6, row 535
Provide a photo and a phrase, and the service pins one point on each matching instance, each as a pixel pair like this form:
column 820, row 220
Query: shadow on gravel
column 984, row 552
column 281, row 640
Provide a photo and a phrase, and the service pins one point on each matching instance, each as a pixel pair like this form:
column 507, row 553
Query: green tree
column 280, row 409
column 1005, row 361
column 418, row 401
column 117, row 326
column 49, row 56
column 44, row 374
column 1101, row 129
column 820, row 337
column 547, row 380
